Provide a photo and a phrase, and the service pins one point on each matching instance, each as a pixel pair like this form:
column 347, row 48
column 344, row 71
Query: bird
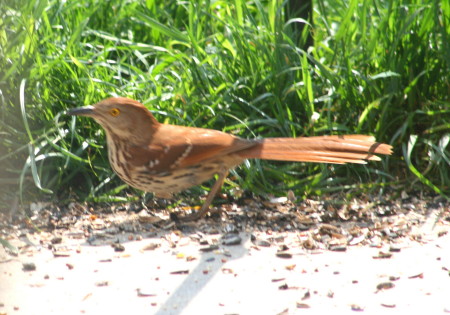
column 165, row 159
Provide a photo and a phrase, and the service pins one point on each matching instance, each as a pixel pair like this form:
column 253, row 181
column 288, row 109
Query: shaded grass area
column 380, row 67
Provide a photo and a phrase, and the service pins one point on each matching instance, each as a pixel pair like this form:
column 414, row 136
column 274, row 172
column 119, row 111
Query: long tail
column 323, row 149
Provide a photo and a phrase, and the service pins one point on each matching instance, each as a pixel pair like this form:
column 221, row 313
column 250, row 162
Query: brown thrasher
column 165, row 159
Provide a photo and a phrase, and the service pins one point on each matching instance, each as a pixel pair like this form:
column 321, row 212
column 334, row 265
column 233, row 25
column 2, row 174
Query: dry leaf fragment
column 302, row 305
column 420, row 275
column 290, row 267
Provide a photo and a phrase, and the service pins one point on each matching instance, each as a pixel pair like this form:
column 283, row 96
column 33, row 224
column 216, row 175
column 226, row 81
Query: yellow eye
column 114, row 112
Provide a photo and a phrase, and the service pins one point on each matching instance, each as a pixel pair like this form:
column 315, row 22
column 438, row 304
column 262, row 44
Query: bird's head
column 120, row 117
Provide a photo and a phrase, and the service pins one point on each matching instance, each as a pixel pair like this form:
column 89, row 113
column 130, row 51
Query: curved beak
column 82, row 111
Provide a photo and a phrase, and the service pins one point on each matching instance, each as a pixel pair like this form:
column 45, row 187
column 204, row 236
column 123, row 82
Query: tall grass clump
column 377, row 67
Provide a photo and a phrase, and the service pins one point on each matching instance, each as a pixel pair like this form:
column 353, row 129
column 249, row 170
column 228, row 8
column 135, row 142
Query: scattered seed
column 118, row 247
column 28, row 266
column 102, row 283
column 279, row 279
column 338, row 248
column 420, row 275
column 61, row 254
column 393, row 278
column 382, row 255
column 142, row 293
column 385, row 286
column 203, row 242
column 286, row 287
column 357, row 308
column 283, row 287
column 284, row 254
column 209, row 248
column 179, row 272
column 223, row 252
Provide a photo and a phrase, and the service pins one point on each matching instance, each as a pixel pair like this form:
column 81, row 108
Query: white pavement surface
column 237, row 279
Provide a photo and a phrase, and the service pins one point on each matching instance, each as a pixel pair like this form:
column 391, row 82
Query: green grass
column 376, row 67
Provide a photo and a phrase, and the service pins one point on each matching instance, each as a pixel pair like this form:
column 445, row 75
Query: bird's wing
column 176, row 147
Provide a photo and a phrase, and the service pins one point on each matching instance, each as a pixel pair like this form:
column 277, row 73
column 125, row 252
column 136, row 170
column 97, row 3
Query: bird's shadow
column 207, row 267
column 194, row 283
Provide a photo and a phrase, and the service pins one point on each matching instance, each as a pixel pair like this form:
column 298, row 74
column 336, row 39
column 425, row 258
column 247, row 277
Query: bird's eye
column 114, row 112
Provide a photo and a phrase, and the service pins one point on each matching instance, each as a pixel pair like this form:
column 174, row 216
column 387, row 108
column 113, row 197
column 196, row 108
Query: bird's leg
column 205, row 208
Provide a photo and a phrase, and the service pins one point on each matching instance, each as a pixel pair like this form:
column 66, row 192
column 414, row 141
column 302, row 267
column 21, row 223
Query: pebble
column 231, row 239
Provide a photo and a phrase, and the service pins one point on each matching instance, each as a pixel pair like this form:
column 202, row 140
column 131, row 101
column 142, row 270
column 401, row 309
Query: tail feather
column 324, row 149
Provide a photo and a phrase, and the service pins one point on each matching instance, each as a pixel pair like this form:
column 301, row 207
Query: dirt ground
column 274, row 257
